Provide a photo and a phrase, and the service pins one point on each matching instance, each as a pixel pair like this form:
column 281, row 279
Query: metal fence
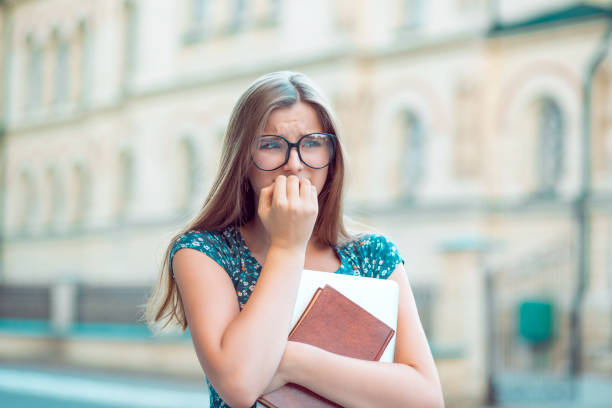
column 25, row 302
column 111, row 304
column 103, row 304
column 529, row 333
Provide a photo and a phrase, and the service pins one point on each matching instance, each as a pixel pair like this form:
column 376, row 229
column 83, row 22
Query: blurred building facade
column 469, row 136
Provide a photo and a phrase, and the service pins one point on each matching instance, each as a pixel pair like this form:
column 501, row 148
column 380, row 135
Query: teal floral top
column 371, row 255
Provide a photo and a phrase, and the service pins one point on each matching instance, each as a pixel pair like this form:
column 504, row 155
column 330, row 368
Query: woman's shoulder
column 369, row 241
column 197, row 238
column 375, row 253
column 214, row 243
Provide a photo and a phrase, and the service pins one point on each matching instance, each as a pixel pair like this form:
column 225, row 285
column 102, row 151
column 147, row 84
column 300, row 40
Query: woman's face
column 291, row 122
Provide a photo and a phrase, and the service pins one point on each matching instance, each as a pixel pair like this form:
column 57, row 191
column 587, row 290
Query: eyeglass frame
column 333, row 139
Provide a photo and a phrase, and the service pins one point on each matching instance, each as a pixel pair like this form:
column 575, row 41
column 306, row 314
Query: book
column 335, row 323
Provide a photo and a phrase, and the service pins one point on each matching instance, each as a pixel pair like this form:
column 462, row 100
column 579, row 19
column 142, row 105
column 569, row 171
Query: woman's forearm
column 358, row 383
column 254, row 342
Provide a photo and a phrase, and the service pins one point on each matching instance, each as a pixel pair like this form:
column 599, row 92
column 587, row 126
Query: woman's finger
column 265, row 198
column 305, row 189
column 314, row 197
column 280, row 190
column 293, row 189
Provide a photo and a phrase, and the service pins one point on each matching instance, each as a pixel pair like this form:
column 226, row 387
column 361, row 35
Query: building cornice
column 567, row 15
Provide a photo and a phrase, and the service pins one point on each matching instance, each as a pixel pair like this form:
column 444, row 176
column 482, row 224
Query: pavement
column 32, row 386
column 530, row 390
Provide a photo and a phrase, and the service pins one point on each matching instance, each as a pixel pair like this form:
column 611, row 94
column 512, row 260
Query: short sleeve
column 379, row 255
column 206, row 242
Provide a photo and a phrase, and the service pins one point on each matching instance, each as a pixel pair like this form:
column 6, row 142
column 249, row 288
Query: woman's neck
column 319, row 256
column 256, row 235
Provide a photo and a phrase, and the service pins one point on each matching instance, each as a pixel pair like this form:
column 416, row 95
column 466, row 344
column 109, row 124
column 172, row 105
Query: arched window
column 26, row 201
column 125, row 183
column 198, row 12
column 550, row 128
column 188, row 173
column 130, row 40
column 273, row 11
column 53, row 197
column 410, row 14
column 34, row 84
column 80, row 188
column 238, row 19
column 62, row 70
column 413, row 147
column 199, row 20
column 80, row 64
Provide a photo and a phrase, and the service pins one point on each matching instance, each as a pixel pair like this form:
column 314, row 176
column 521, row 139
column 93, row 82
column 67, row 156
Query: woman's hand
column 288, row 210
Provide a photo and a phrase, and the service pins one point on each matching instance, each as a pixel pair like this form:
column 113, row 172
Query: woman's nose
column 294, row 163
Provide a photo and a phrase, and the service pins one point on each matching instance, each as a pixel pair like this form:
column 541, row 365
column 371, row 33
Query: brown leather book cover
column 335, row 323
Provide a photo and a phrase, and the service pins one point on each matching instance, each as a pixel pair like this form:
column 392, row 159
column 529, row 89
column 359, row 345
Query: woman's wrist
column 288, row 363
column 291, row 252
column 292, row 362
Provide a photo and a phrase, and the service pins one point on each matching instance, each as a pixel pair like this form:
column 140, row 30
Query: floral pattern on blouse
column 370, row 255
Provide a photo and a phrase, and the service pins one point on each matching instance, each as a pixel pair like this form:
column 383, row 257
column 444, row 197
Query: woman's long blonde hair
column 231, row 200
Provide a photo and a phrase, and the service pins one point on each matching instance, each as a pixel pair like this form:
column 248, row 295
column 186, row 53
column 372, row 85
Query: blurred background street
column 479, row 138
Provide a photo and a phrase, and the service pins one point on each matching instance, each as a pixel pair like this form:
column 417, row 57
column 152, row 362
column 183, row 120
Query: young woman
column 232, row 274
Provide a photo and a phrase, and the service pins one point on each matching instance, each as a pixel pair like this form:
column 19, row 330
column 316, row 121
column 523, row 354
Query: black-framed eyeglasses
column 315, row 150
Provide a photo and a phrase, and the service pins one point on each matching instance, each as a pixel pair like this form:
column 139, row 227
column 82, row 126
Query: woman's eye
column 312, row 143
column 269, row 145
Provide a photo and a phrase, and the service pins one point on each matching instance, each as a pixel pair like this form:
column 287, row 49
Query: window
column 130, row 29
column 188, row 174
column 198, row 21
column 411, row 14
column 273, row 12
column 62, row 72
column 550, row 145
column 26, row 201
column 80, row 187
column 125, row 183
column 81, row 63
column 34, row 85
column 198, row 12
column 53, row 198
column 238, row 16
column 412, row 160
